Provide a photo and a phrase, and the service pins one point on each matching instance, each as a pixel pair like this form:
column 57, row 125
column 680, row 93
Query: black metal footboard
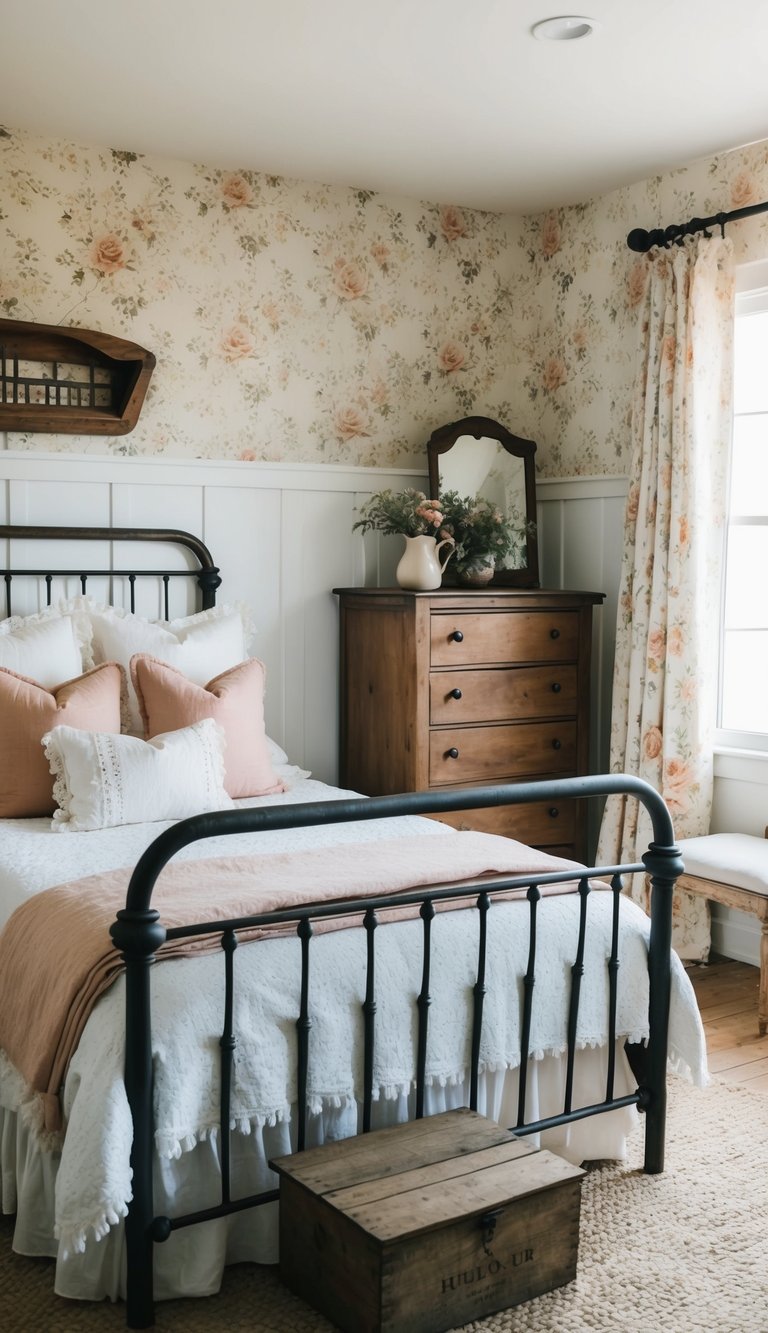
column 138, row 933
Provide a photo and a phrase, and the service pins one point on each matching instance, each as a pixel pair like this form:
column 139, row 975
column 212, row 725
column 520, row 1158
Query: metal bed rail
column 139, row 933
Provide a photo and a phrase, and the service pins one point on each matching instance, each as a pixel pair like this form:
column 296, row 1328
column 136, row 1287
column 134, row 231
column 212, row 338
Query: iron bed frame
column 139, row 934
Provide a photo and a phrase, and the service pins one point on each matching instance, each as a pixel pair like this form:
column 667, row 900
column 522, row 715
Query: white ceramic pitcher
column 420, row 567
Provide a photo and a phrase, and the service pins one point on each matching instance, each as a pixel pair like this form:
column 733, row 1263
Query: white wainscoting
column 280, row 534
column 282, row 537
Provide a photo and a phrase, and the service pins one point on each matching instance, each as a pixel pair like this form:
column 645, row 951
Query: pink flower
column 349, row 423
column 271, row 312
column 638, row 276
column 678, row 780
column 652, row 742
column 683, row 530
column 380, row 253
column 744, row 190
column 657, row 640
column 236, row 342
column 451, row 357
column 107, row 254
column 550, row 236
column 553, row 375
column 379, row 393
column 676, row 641
column 452, row 223
column 633, row 502
column 236, row 192
column 349, row 280
column 247, row 455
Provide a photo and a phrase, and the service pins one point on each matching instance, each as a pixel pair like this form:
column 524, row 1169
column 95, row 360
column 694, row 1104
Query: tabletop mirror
column 479, row 456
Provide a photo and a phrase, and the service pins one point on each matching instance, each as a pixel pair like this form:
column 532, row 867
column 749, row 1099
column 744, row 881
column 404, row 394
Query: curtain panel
column 665, row 672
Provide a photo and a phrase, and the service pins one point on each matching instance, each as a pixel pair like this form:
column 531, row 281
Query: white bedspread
column 93, row 1184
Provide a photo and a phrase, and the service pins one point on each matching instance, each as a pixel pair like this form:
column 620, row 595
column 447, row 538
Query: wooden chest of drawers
column 449, row 688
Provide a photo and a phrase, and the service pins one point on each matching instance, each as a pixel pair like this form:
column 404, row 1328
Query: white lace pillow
column 201, row 646
column 47, row 647
column 103, row 780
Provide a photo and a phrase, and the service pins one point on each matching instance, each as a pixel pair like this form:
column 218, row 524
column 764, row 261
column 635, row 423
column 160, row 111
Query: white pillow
column 201, row 646
column 102, row 780
column 47, row 647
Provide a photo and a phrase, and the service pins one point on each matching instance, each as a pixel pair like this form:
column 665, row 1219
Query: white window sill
column 741, row 765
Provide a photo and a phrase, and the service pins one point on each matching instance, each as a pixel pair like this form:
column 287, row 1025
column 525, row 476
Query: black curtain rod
column 642, row 241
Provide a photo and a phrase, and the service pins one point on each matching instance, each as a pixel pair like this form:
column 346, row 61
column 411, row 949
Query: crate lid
column 413, row 1178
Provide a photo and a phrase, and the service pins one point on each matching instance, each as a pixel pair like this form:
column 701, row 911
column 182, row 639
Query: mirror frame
column 444, row 438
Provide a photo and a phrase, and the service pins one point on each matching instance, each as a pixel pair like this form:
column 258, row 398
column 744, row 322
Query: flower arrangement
column 482, row 533
column 408, row 512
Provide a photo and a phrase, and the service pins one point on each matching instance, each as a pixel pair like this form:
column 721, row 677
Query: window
column 743, row 699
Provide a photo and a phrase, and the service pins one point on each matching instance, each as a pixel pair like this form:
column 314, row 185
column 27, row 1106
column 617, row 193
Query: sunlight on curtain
column 665, row 672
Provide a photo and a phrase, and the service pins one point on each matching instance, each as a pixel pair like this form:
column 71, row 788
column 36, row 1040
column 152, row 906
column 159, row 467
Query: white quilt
column 93, row 1184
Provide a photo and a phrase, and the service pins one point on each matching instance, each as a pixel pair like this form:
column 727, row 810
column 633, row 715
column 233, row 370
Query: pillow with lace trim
column 103, row 780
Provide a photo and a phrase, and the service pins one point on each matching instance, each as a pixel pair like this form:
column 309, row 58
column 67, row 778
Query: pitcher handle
column 447, row 541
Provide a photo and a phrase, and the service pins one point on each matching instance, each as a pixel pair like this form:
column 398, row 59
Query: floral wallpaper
column 304, row 323
column 290, row 322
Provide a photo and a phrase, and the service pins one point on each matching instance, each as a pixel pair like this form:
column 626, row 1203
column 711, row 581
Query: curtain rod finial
column 639, row 240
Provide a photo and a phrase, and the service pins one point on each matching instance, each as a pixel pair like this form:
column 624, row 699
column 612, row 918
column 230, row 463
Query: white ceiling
column 445, row 100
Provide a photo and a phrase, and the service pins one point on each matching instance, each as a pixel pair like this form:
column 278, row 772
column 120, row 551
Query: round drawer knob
column 556, row 687
column 556, row 744
column 452, row 753
column 554, row 634
column 457, row 636
column 455, row 694
column 553, row 812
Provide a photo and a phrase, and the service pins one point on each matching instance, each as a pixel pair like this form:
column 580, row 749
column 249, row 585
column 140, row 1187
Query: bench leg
column 762, row 997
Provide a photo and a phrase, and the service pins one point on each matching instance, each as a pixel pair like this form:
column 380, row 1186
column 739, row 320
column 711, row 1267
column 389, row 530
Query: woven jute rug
column 684, row 1251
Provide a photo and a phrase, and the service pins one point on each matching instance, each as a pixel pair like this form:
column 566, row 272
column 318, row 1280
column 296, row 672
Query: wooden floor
column 727, row 996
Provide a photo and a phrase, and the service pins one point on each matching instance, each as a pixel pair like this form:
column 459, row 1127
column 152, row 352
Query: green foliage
column 408, row 511
column 480, row 530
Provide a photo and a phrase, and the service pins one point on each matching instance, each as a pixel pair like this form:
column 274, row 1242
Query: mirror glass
column 498, row 466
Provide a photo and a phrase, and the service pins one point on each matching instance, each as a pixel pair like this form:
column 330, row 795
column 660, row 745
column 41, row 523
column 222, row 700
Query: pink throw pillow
column 168, row 700
column 28, row 710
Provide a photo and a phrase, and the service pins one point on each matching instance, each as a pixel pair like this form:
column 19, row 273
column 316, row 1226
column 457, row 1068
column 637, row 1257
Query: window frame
column 751, row 299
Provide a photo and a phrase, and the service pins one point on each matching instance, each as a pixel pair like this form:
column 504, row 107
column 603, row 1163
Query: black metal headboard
column 206, row 573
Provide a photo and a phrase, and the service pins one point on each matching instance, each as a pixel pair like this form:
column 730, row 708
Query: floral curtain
column 665, row 673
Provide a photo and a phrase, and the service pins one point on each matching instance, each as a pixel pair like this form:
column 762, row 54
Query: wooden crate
column 426, row 1226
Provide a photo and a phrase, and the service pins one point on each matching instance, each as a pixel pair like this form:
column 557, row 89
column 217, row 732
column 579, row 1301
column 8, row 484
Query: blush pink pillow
column 168, row 700
column 28, row 710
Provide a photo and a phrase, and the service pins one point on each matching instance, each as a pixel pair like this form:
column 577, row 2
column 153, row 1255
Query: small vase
column 478, row 572
column 420, row 568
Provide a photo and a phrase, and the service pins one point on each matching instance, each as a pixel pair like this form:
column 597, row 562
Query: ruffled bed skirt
column 191, row 1263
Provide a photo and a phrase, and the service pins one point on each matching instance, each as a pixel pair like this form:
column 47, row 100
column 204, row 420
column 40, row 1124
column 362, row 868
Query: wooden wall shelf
column 58, row 380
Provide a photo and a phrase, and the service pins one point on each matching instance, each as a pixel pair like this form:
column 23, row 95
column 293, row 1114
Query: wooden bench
column 732, row 869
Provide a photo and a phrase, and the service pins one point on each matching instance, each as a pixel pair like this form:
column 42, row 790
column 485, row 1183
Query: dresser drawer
column 482, row 754
column 468, row 638
column 502, row 694
column 539, row 825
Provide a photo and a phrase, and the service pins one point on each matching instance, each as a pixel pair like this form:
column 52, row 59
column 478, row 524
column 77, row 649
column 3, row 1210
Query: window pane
column 746, row 580
column 750, row 384
column 745, row 672
column 749, row 465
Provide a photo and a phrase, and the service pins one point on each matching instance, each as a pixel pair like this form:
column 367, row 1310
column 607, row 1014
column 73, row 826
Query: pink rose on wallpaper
column 380, row 253
column 107, row 254
column 349, row 423
column 349, row 280
column 451, row 357
column 678, row 780
column 580, row 338
column 236, row 342
column 379, row 393
column 551, row 238
column 652, row 741
column 636, row 280
column 236, row 192
column 553, row 374
column 744, row 190
column 247, row 455
column 271, row 312
column 452, row 223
